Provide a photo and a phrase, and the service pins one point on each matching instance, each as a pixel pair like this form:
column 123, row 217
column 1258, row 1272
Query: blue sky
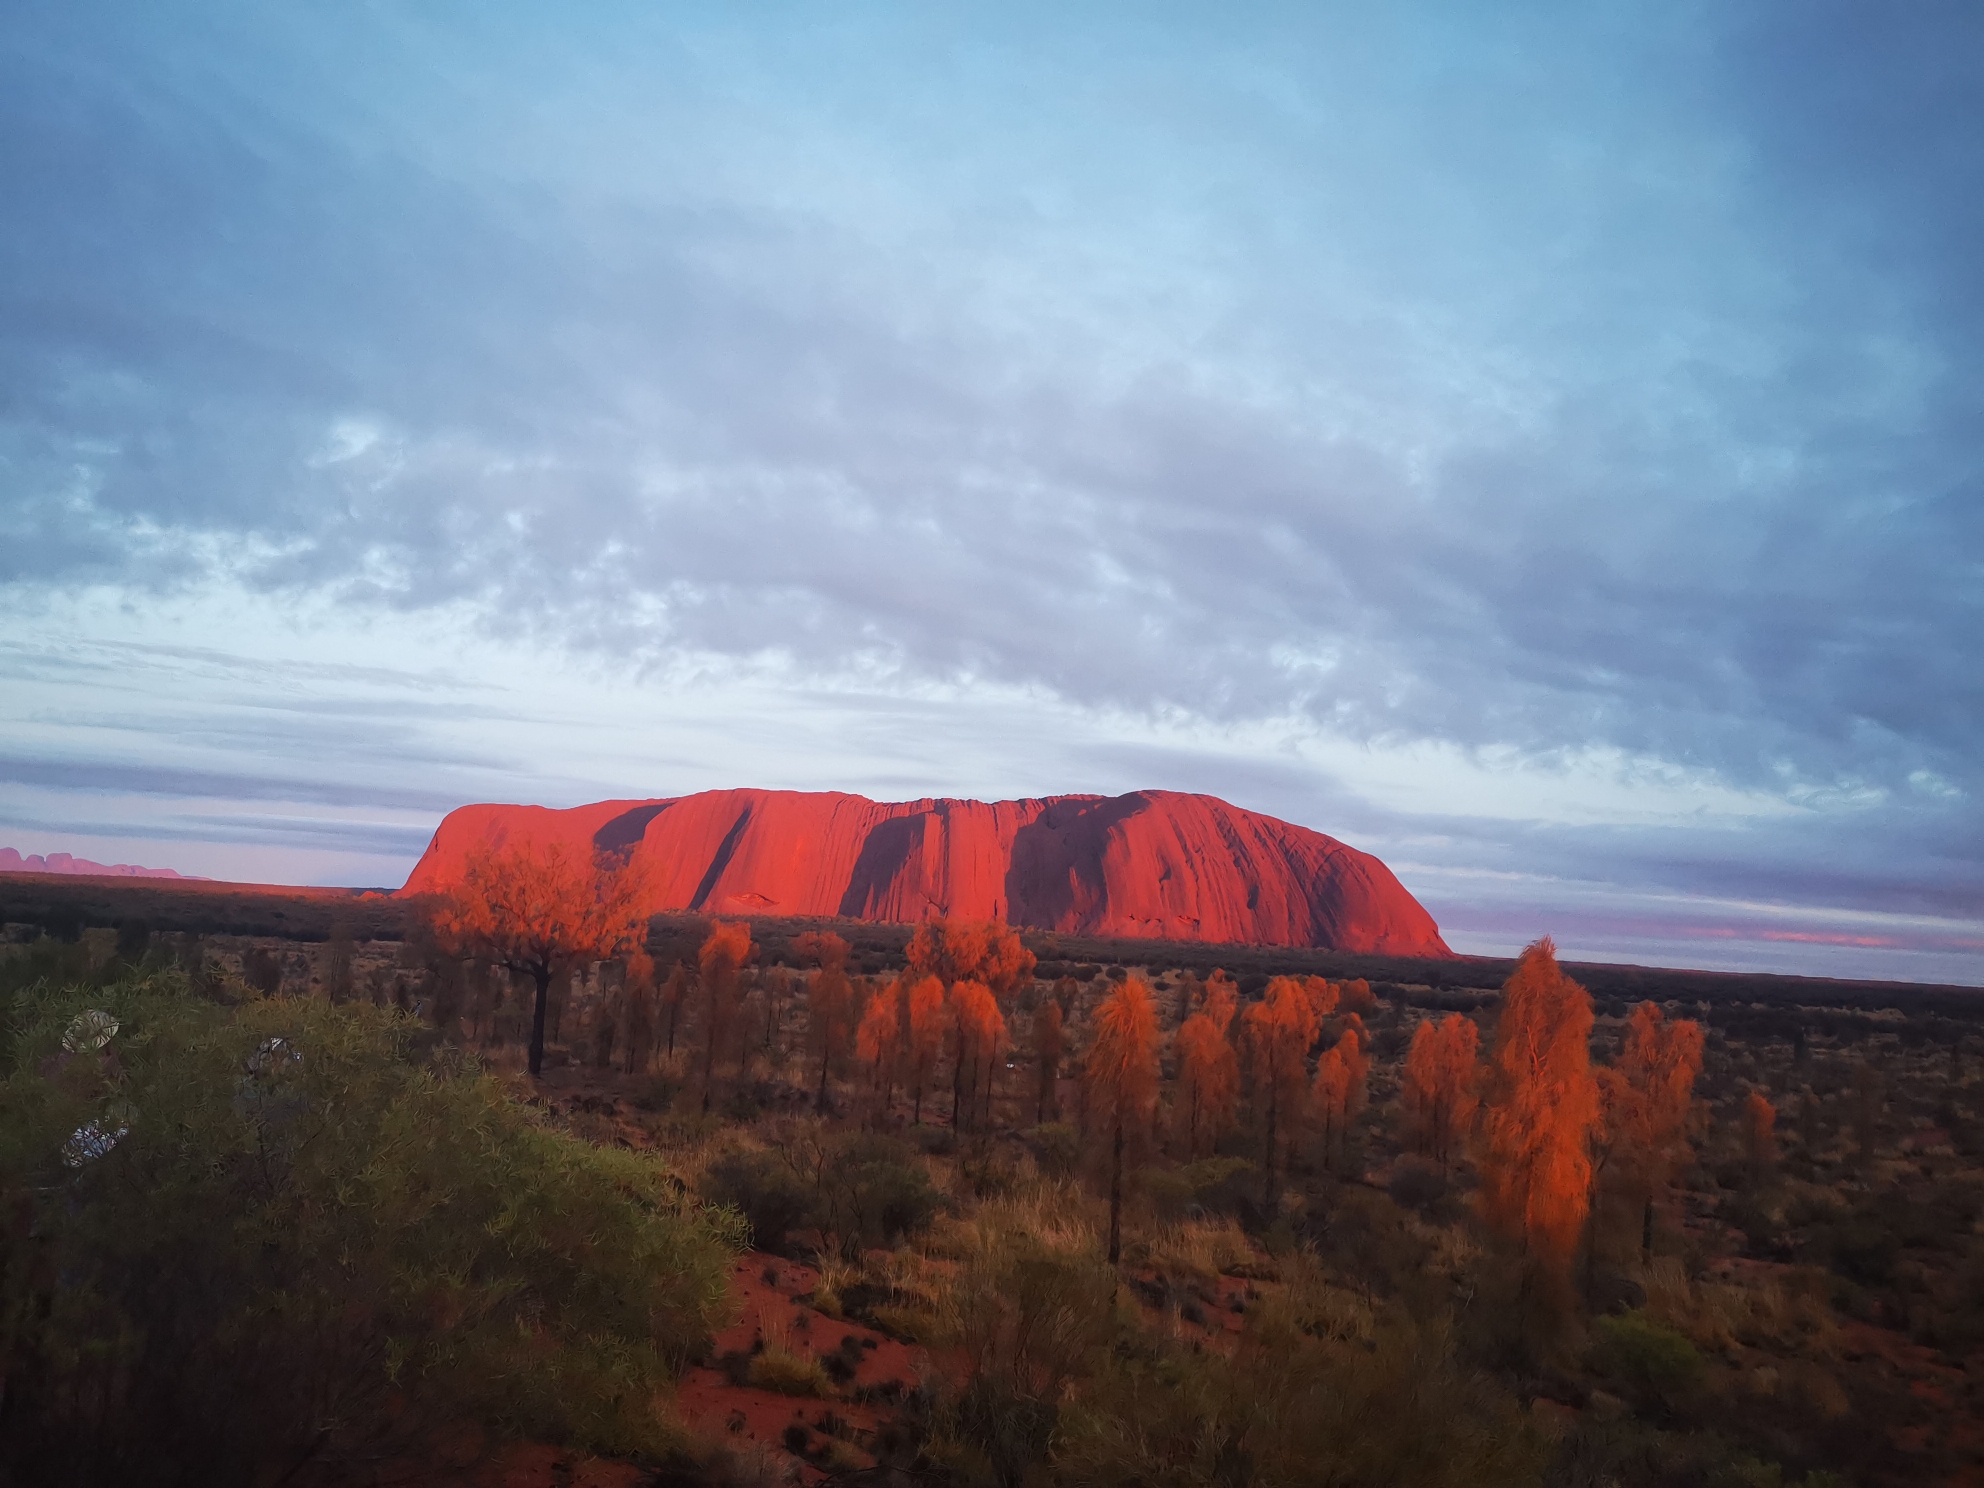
column 1538, row 444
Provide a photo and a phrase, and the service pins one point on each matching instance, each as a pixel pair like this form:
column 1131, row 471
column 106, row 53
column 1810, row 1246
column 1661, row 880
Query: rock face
column 1151, row 864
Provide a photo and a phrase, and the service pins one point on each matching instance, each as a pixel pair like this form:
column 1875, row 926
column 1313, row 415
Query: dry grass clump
column 1047, row 1214
column 835, row 1277
column 1784, row 1314
column 783, row 1368
column 1197, row 1248
column 1309, row 1302
column 922, row 1304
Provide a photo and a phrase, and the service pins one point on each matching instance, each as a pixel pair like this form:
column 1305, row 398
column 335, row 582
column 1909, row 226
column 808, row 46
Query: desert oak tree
column 537, row 910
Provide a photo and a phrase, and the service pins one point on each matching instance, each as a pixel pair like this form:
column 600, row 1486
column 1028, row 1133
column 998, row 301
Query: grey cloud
column 1644, row 416
column 147, row 780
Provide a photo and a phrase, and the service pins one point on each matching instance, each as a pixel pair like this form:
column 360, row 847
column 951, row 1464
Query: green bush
column 874, row 1191
column 765, row 1190
column 242, row 1243
column 865, row 1190
column 1056, row 1148
column 1293, row 1406
column 1653, row 1362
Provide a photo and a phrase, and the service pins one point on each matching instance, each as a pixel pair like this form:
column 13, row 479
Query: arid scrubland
column 1363, row 1233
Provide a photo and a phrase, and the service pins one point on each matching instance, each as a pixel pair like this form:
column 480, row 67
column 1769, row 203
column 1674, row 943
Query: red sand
column 744, row 1415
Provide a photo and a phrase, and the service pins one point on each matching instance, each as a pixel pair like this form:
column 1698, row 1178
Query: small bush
column 786, row 1372
column 873, row 1192
column 1864, row 1250
column 1056, row 1148
column 1653, row 1362
column 762, row 1188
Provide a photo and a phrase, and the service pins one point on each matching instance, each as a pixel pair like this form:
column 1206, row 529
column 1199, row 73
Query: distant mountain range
column 12, row 862
column 1151, row 864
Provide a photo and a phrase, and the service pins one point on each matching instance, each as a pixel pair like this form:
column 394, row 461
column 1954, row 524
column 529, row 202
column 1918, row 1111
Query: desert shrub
column 784, row 1368
column 1864, row 1250
column 873, row 1191
column 1056, row 1147
column 1298, row 1403
column 1654, row 1363
column 1030, row 1321
column 866, row 1190
column 244, row 1243
column 1198, row 1248
column 764, row 1189
column 45, row 965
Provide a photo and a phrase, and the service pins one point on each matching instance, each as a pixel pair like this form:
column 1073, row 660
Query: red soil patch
column 744, row 1415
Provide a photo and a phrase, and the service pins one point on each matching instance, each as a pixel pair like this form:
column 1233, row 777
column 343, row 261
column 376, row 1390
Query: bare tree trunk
column 541, row 975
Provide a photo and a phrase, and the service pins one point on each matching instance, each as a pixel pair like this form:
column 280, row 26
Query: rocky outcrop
column 1151, row 864
column 11, row 861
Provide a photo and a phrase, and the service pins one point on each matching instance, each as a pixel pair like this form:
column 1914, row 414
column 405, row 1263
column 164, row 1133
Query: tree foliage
column 1646, row 1096
column 1208, row 1082
column 725, row 952
column 970, row 950
column 1540, row 1109
column 1440, row 1085
column 978, row 1038
column 1280, row 1029
column 1119, row 1084
column 1342, row 1085
column 537, row 910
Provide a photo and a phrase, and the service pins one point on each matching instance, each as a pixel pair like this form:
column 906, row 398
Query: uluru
column 1147, row 865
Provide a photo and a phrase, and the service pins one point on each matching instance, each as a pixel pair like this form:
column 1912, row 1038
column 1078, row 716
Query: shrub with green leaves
column 239, row 1242
column 864, row 1190
column 874, row 1191
column 1653, row 1362
column 764, row 1189
column 1298, row 1403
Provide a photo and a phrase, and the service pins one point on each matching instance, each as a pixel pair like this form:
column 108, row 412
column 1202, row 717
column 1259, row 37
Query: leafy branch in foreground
column 295, row 1244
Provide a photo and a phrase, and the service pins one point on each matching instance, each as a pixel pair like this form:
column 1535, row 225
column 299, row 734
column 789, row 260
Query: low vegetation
column 287, row 1205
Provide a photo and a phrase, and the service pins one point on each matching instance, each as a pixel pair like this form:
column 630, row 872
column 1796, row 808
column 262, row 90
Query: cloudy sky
column 1539, row 444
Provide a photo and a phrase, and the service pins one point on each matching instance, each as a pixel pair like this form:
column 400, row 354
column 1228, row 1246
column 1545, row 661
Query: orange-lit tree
column 1208, row 1077
column 956, row 951
column 1759, row 1132
column 978, row 1037
column 637, row 1008
column 878, row 1044
column 1646, row 1096
column 1342, row 1085
column 1280, row 1029
column 1539, row 1112
column 830, row 1010
column 1119, row 1085
column 1322, row 994
column 538, row 910
column 1440, row 1081
column 1221, row 1000
column 1049, row 1044
column 721, row 963
column 922, row 1037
